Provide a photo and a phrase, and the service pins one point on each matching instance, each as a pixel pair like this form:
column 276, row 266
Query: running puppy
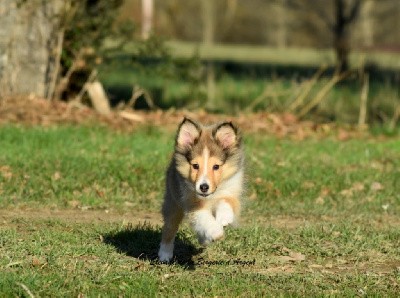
column 204, row 182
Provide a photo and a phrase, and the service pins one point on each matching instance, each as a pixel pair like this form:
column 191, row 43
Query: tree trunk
column 342, row 42
column 342, row 49
column 147, row 18
column 28, row 38
column 343, row 21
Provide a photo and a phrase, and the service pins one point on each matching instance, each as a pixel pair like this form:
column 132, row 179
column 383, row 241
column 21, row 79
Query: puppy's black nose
column 204, row 187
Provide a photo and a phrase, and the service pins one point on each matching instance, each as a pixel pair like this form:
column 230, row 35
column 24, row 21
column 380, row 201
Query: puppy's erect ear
column 188, row 132
column 227, row 135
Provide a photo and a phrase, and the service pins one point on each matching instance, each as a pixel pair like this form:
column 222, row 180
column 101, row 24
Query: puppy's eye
column 195, row 166
column 215, row 167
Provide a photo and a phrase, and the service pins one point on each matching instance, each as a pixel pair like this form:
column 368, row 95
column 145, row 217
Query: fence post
column 208, row 39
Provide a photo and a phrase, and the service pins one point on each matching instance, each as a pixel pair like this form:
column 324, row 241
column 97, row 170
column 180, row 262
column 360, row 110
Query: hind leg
column 227, row 210
column 173, row 216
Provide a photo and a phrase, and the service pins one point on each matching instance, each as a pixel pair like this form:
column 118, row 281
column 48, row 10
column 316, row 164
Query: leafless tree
column 346, row 12
column 337, row 16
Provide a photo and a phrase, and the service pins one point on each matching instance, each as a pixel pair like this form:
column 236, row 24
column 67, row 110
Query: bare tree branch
column 354, row 12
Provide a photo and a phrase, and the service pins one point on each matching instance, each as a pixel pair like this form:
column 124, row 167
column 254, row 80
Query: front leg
column 206, row 227
column 227, row 210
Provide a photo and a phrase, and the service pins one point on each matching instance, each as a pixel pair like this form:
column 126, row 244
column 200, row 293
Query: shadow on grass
column 142, row 242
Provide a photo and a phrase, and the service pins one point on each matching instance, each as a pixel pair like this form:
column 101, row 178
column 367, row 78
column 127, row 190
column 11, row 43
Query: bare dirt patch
column 7, row 216
column 293, row 222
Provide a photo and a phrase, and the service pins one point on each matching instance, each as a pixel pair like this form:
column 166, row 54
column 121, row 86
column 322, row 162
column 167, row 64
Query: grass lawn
column 79, row 215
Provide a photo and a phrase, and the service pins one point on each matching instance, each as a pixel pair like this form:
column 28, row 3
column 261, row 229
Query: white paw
column 224, row 214
column 206, row 227
column 211, row 233
column 166, row 252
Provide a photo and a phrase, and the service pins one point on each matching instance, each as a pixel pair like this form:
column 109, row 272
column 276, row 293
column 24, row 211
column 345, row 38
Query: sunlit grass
column 320, row 218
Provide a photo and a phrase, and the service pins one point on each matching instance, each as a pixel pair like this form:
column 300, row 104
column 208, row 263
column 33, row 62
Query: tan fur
column 235, row 204
column 172, row 221
column 210, row 155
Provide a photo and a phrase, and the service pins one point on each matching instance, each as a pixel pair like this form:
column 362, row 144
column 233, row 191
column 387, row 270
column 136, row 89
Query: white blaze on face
column 203, row 178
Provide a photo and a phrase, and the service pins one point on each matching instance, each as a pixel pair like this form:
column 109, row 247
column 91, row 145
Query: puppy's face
column 206, row 156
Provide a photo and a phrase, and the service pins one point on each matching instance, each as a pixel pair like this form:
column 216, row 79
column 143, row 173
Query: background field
column 255, row 78
column 79, row 214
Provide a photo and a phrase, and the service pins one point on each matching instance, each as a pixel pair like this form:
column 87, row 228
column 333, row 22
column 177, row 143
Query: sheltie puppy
column 204, row 182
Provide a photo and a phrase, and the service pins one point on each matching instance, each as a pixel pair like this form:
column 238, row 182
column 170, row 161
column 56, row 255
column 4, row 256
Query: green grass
column 92, row 165
column 321, row 218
